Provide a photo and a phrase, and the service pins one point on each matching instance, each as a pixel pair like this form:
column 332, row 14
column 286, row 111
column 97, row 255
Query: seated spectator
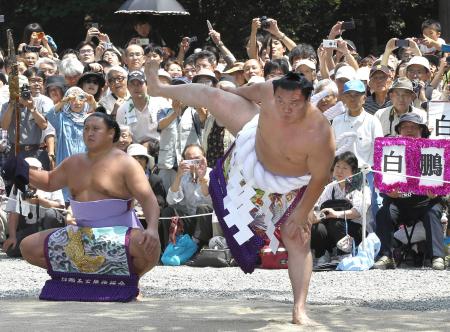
column 139, row 152
column 125, row 138
column 401, row 95
column 188, row 195
column 340, row 221
column 31, row 212
column 404, row 208
column 118, row 91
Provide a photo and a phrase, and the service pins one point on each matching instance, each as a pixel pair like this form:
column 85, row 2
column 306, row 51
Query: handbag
column 212, row 258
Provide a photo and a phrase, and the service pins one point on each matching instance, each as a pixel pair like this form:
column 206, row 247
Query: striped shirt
column 371, row 105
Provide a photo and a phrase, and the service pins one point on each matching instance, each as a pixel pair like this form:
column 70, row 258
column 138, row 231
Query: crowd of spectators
column 364, row 96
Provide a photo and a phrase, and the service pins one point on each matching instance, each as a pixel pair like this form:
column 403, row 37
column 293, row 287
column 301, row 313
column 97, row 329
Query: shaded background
column 302, row 20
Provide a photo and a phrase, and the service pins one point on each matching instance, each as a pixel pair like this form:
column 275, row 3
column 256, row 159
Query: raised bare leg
column 231, row 110
column 300, row 268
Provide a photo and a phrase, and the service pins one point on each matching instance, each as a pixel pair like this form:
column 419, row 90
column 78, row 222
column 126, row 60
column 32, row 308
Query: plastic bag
column 180, row 252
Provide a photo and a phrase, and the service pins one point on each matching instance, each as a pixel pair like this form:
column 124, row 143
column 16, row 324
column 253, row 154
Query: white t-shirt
column 143, row 124
column 366, row 127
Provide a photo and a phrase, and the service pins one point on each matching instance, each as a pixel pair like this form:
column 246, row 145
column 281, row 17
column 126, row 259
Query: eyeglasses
column 36, row 80
column 87, row 51
column 118, row 79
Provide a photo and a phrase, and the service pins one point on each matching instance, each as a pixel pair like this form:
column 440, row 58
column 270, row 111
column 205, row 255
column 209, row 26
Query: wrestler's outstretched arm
column 50, row 180
column 229, row 109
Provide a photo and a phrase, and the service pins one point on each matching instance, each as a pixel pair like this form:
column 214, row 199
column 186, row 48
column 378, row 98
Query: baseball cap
column 354, row 85
column 345, row 72
column 377, row 68
column 136, row 75
column 414, row 118
column 363, row 73
column 308, row 63
column 33, row 162
column 402, row 83
column 180, row 80
column 419, row 60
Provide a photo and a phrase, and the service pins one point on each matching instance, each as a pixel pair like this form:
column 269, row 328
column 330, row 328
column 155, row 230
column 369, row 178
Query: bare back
column 100, row 179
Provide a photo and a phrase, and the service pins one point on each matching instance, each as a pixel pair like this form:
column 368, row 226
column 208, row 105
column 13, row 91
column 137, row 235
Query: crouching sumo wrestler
column 101, row 257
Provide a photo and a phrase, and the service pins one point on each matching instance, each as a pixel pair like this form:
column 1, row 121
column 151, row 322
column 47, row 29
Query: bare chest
column 97, row 181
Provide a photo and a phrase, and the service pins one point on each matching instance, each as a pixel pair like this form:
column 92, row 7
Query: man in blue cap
column 356, row 129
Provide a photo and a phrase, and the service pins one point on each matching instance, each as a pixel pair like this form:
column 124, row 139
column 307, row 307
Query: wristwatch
column 52, row 156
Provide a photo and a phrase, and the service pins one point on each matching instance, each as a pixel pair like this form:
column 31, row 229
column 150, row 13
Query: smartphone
column 192, row 39
column 40, row 35
column 447, row 59
column 2, row 18
column 142, row 41
column 445, row 48
column 107, row 45
column 94, row 25
column 329, row 43
column 350, row 25
column 210, row 27
column 402, row 43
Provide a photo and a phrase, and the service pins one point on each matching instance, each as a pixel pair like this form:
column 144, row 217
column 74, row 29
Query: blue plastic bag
column 364, row 259
column 179, row 253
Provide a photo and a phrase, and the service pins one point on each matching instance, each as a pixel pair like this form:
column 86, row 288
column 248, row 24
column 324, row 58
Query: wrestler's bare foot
column 139, row 297
column 299, row 317
column 151, row 73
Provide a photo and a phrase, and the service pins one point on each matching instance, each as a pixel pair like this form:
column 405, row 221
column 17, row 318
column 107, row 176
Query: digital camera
column 329, row 43
column 265, row 24
column 25, row 92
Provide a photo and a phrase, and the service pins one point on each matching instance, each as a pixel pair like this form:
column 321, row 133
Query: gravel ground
column 402, row 289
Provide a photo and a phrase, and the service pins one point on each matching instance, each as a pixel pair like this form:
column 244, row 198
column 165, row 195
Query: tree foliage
column 303, row 20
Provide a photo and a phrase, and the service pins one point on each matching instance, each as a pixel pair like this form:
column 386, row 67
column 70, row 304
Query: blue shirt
column 69, row 136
